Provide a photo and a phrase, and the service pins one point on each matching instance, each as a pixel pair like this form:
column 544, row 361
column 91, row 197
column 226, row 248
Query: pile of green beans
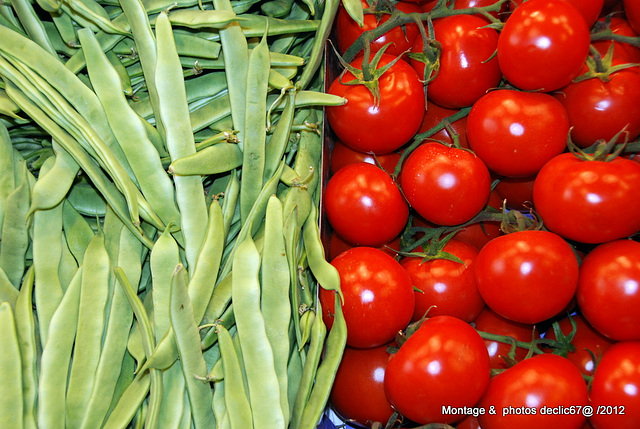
column 160, row 176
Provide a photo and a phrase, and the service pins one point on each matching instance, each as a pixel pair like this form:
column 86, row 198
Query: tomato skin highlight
column 609, row 289
column 445, row 185
column 515, row 133
column 527, row 276
column 589, row 201
column 443, row 363
column 448, row 285
column 616, row 386
column 385, row 127
column 543, row 45
column 364, row 205
column 543, row 380
column 378, row 296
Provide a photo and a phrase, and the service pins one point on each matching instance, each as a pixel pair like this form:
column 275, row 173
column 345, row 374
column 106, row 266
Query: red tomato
column 615, row 389
column 449, row 285
column 342, row 155
column 378, row 296
column 464, row 74
column 515, row 133
column 434, row 115
column 358, row 394
column 401, row 38
column 589, row 201
column 491, row 322
column 518, row 191
column 632, row 10
column 385, row 127
column 364, row 205
column 599, row 110
column 527, row 276
column 585, row 339
column 609, row 289
column 520, row 394
column 445, row 185
column 624, row 52
column 444, row 363
column 589, row 9
column 469, row 422
column 543, row 45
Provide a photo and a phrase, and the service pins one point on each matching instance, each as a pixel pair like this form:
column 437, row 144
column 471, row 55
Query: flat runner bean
column 11, row 406
column 264, row 390
column 27, row 342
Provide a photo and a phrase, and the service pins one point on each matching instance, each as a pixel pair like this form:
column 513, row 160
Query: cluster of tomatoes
column 483, row 188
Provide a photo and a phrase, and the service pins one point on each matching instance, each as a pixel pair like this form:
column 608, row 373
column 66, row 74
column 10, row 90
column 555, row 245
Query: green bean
column 306, row 323
column 130, row 402
column 275, row 280
column 179, row 137
column 210, row 112
column 15, row 232
column 230, row 202
column 173, row 397
column 195, row 46
column 76, row 63
column 294, row 375
column 11, row 406
column 324, row 272
column 8, row 292
column 197, row 18
column 326, row 372
column 218, row 403
column 7, row 176
column 107, row 153
column 141, row 386
column 52, row 187
column 125, row 80
column 254, row 139
column 264, row 391
column 47, row 255
column 77, row 231
column 218, row 303
column 235, row 52
column 254, row 220
column 164, row 354
column 49, row 5
column 204, row 86
column 115, row 199
column 26, row 335
column 316, row 57
column 205, row 272
column 88, row 16
column 309, row 369
column 8, row 107
column 215, row 159
column 56, row 357
column 237, row 402
column 278, row 141
column 65, row 29
column 164, row 258
column 32, row 24
column 191, row 359
column 54, row 75
column 115, row 337
column 276, row 8
column 91, row 319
